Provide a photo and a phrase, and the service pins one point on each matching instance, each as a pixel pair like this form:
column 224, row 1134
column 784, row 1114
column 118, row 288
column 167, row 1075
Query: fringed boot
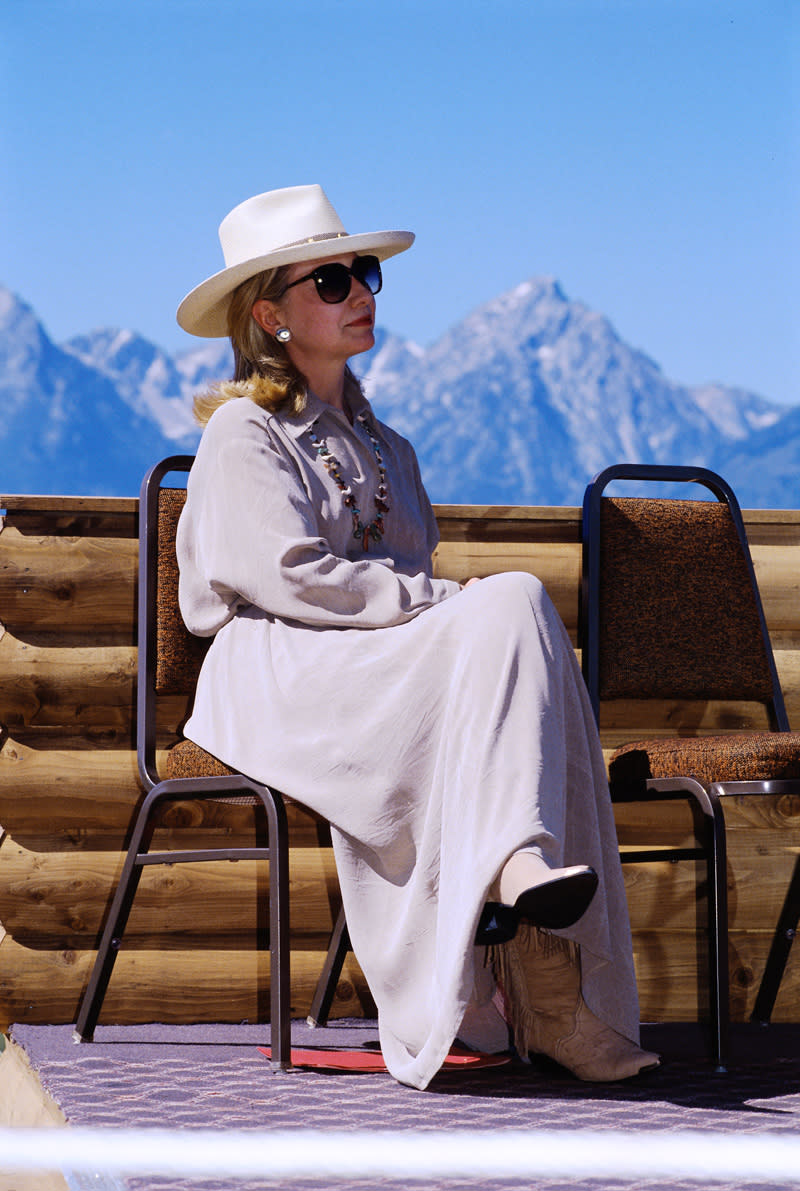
column 540, row 975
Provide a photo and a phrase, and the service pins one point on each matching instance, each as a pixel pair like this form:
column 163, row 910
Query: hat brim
column 204, row 310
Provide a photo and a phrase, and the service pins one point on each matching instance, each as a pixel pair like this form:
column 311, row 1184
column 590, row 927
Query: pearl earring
column 283, row 334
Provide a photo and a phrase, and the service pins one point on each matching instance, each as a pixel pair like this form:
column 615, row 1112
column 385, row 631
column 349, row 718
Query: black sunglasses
column 334, row 281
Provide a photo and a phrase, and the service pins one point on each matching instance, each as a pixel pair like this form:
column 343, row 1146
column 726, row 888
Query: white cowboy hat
column 280, row 227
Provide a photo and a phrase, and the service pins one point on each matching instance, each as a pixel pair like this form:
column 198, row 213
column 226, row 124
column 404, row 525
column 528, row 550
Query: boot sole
column 558, row 903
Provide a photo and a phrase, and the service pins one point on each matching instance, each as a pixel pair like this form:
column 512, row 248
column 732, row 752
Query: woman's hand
column 469, row 582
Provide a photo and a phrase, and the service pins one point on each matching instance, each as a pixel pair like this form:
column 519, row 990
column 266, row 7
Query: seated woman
column 443, row 731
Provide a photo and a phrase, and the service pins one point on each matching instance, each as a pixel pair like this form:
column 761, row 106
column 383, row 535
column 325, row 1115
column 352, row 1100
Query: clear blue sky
column 644, row 152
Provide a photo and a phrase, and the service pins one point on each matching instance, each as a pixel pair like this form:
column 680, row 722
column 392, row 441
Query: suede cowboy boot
column 540, row 975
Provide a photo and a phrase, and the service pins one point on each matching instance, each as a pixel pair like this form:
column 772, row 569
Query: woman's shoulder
column 236, row 411
column 239, row 418
column 234, row 424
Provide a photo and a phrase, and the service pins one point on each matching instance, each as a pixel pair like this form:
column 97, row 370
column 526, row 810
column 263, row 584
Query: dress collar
column 297, row 424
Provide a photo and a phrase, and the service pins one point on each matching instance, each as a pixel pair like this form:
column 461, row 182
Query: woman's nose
column 360, row 293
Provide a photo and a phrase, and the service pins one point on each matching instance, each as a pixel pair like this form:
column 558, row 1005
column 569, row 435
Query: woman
column 444, row 732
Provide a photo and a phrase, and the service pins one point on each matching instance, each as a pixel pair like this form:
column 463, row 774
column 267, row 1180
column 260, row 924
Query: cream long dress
column 438, row 730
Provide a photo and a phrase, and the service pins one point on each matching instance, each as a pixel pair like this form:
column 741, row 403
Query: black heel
column 497, row 924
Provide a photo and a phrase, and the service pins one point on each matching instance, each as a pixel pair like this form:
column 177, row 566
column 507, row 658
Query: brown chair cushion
column 678, row 618
column 179, row 654
column 739, row 757
column 187, row 759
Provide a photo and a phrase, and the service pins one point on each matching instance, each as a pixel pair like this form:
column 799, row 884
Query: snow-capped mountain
column 64, row 427
column 520, row 403
column 145, row 377
column 529, row 396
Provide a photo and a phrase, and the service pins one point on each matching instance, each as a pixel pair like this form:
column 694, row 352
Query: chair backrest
column 670, row 607
column 169, row 656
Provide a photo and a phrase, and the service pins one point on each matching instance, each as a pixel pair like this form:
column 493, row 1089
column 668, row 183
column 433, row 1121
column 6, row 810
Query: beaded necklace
column 375, row 529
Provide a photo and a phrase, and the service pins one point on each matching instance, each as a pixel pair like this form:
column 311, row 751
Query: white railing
column 407, row 1154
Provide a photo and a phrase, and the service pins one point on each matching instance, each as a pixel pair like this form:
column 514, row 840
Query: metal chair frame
column 163, row 792
column 711, row 838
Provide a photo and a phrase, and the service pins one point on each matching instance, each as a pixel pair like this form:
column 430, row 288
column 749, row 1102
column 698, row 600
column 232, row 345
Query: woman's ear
column 266, row 315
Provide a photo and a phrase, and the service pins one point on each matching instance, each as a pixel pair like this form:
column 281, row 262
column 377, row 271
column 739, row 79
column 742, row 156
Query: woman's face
column 321, row 330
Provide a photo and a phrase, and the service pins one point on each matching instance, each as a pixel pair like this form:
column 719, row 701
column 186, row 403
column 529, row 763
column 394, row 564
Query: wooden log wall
column 68, row 788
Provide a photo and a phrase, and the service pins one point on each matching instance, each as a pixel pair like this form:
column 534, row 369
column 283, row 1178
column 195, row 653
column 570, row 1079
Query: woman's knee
column 511, row 587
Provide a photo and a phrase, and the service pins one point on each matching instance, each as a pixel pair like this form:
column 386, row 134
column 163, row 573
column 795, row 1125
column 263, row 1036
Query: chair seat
column 745, row 756
column 187, row 759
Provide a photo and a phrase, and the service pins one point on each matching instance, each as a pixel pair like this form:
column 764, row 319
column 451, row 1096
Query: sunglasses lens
column 367, row 270
column 332, row 282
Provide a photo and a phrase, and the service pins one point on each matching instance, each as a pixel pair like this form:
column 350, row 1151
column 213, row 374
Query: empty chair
column 671, row 611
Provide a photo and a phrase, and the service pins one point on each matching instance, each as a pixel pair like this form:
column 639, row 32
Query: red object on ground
column 368, row 1061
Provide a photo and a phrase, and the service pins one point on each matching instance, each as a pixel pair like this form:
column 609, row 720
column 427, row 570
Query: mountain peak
column 23, row 339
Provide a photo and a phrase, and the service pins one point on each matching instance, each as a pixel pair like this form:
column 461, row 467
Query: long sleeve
column 265, row 525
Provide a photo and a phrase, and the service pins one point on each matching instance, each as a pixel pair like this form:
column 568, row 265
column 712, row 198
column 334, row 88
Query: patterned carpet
column 214, row 1077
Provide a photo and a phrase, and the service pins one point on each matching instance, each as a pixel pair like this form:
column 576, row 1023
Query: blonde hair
column 263, row 370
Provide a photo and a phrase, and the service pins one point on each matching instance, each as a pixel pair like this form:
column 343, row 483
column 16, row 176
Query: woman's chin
column 365, row 341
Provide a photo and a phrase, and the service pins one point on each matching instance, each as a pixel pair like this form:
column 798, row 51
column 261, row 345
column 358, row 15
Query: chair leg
column 719, row 990
column 279, row 942
column 777, row 959
column 111, row 939
column 331, row 971
column 707, row 803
